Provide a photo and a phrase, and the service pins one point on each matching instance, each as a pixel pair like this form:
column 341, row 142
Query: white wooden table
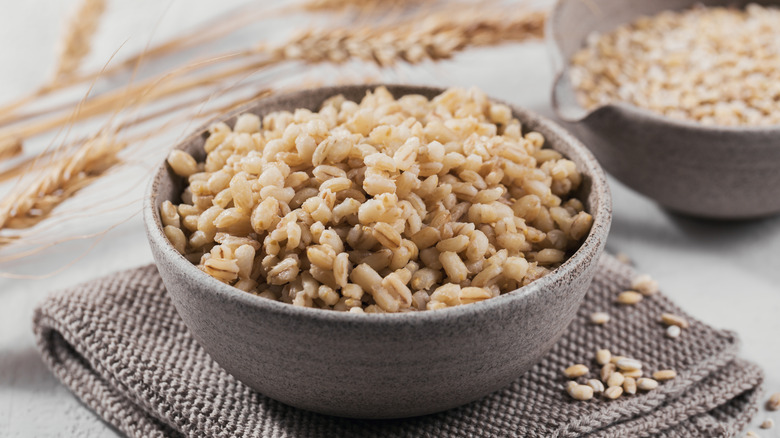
column 727, row 274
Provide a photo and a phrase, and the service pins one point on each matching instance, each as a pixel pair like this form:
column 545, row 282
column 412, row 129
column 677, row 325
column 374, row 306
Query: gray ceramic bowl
column 714, row 172
column 386, row 365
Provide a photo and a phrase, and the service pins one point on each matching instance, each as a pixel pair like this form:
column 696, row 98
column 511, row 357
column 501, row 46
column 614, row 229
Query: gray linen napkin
column 120, row 346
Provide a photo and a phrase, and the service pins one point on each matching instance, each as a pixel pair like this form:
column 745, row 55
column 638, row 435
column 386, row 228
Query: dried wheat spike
column 34, row 202
column 77, row 38
column 428, row 37
column 9, row 148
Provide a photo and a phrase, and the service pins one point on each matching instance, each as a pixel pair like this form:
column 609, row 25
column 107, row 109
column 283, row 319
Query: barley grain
column 629, row 297
column 673, row 331
column 597, row 386
column 773, row 404
column 663, row 375
column 629, row 385
column 574, row 371
column 671, row 319
column 579, row 392
column 613, row 392
column 599, row 318
column 603, row 357
column 616, row 379
column 392, row 220
column 646, row 384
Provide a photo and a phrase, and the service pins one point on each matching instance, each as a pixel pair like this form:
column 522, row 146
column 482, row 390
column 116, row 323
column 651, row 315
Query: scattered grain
column 597, row 385
column 629, row 297
column 613, row 392
column 664, row 375
column 773, row 404
column 579, row 392
column 644, row 284
column 627, row 364
column 599, row 318
column 575, row 371
column 671, row 319
column 606, row 372
column 603, row 356
column 673, row 331
column 615, row 379
column 634, row 374
column 646, row 384
column 629, row 386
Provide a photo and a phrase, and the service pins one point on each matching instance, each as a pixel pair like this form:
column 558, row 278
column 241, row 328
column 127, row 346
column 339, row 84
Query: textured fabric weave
column 120, row 346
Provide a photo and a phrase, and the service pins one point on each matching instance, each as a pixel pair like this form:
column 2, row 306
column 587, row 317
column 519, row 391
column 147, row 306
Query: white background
column 727, row 274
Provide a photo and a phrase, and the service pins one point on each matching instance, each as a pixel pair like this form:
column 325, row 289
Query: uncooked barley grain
column 574, row 371
column 603, row 356
column 672, row 319
column 613, row 392
column 579, row 392
column 773, row 404
column 629, row 297
column 715, row 66
column 664, row 375
column 599, row 318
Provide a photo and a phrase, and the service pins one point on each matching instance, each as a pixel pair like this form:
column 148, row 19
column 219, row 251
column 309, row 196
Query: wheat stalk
column 69, row 174
column 424, row 37
column 420, row 37
column 10, row 147
column 206, row 32
column 361, row 5
column 434, row 37
column 77, row 39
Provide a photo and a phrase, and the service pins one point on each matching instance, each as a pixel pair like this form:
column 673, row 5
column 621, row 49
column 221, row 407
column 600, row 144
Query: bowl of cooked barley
column 378, row 251
column 678, row 99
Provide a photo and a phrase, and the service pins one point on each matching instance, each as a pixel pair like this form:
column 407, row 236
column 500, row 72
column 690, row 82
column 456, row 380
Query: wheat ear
column 69, row 174
column 77, row 39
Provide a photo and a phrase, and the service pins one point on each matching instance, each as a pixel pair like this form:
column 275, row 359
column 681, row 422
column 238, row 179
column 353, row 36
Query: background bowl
column 385, row 365
column 714, row 172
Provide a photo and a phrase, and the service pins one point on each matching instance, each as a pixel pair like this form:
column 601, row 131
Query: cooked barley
column 378, row 205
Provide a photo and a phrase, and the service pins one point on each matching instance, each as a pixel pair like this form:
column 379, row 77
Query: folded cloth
column 120, row 346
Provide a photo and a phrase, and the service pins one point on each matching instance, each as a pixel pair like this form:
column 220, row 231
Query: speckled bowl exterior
column 380, row 365
column 712, row 172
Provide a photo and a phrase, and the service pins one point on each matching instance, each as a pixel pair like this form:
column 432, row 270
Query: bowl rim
column 591, row 247
column 561, row 69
